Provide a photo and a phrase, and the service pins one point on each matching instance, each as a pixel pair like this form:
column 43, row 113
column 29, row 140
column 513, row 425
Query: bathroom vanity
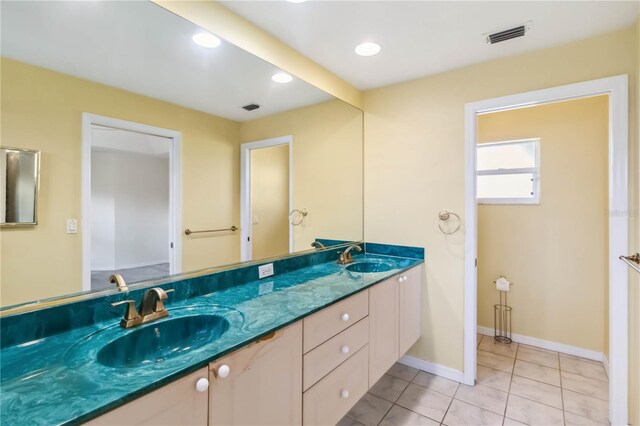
column 301, row 347
column 311, row 372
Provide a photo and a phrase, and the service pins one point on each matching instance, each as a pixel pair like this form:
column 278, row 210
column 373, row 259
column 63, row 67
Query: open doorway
column 615, row 88
column 130, row 212
column 266, row 198
column 542, row 226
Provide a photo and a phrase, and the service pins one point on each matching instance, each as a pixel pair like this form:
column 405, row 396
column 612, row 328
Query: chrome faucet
column 317, row 245
column 151, row 308
column 345, row 257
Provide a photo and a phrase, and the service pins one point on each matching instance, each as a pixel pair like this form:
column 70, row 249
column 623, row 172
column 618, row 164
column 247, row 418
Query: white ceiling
column 140, row 47
column 420, row 38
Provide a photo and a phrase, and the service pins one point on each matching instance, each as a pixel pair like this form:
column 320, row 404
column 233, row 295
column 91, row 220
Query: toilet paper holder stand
column 502, row 318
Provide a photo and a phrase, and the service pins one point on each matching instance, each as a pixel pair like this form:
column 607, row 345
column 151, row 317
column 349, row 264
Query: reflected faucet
column 317, row 245
column 345, row 257
column 151, row 308
column 119, row 282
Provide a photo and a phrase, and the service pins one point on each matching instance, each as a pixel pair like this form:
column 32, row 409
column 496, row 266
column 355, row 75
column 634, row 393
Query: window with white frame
column 509, row 172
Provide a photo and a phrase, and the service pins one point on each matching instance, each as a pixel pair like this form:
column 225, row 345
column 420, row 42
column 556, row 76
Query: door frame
column 245, row 190
column 617, row 89
column 175, row 188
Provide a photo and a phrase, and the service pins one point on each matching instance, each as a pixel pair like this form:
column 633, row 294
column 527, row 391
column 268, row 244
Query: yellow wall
column 327, row 167
column 270, row 201
column 42, row 110
column 236, row 30
column 556, row 251
column 414, row 156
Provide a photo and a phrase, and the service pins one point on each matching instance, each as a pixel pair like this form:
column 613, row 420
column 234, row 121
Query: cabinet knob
column 344, row 393
column 202, row 385
column 223, row 371
column 344, row 349
column 344, row 317
column 402, row 279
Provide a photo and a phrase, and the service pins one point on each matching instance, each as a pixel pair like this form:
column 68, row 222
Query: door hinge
column 171, row 245
column 248, row 238
column 476, row 262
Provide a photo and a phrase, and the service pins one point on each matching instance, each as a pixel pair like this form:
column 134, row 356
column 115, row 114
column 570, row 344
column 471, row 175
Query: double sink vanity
column 299, row 347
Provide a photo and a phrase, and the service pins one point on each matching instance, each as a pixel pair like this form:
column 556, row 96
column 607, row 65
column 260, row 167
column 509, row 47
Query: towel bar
column 189, row 231
column 629, row 259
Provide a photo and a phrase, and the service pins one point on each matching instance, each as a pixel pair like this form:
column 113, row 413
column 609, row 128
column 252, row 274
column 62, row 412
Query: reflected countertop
column 58, row 380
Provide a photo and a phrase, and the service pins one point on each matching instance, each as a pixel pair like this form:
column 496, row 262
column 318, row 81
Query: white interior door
column 256, row 198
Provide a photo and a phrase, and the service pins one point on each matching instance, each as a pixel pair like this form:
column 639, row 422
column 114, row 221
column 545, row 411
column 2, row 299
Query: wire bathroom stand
column 502, row 319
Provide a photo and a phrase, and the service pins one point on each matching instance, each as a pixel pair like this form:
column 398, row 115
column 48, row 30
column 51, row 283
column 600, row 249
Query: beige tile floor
column 516, row 385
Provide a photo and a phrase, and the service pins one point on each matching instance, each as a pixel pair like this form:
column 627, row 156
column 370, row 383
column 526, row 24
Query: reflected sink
column 156, row 342
column 370, row 266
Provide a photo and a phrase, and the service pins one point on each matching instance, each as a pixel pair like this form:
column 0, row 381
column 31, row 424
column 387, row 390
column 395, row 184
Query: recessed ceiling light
column 296, row 1
column 207, row 40
column 368, row 49
column 282, row 77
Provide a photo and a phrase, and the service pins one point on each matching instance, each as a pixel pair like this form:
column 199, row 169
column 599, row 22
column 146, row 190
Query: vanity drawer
column 323, row 325
column 332, row 397
column 320, row 361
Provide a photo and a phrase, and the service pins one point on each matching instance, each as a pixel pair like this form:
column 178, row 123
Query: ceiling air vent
column 507, row 34
column 251, row 107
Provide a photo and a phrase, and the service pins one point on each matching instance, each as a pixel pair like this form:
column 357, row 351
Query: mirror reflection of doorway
column 266, row 198
column 130, row 219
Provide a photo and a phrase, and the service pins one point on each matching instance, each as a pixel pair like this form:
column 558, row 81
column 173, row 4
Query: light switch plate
column 265, row 270
column 72, row 226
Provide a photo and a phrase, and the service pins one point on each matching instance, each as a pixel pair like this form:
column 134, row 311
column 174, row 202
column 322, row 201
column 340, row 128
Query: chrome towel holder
column 301, row 215
column 444, row 216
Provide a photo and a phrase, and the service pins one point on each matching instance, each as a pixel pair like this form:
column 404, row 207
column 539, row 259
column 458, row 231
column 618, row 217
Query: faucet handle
column 131, row 312
column 159, row 305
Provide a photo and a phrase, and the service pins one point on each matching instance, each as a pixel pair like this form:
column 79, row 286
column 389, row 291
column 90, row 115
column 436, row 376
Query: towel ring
column 302, row 214
column 443, row 217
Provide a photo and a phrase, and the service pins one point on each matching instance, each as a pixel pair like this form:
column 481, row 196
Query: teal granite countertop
column 57, row 379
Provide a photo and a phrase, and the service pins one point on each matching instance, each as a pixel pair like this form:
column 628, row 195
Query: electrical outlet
column 265, row 270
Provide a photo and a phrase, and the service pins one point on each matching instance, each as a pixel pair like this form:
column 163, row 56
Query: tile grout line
column 433, row 390
column 513, row 368
column 564, row 416
column 449, row 406
column 387, row 412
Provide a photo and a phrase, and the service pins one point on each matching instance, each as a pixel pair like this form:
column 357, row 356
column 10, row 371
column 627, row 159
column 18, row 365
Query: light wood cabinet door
column 383, row 328
column 260, row 384
column 178, row 403
column 410, row 309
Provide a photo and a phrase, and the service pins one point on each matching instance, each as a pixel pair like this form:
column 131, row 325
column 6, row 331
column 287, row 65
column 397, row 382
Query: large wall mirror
column 163, row 149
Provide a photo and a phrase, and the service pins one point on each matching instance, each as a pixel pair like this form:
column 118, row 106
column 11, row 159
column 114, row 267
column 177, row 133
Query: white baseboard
column 430, row 367
column 133, row 265
column 605, row 362
column 547, row 344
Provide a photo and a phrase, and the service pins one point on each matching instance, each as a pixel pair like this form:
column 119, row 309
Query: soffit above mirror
column 142, row 48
